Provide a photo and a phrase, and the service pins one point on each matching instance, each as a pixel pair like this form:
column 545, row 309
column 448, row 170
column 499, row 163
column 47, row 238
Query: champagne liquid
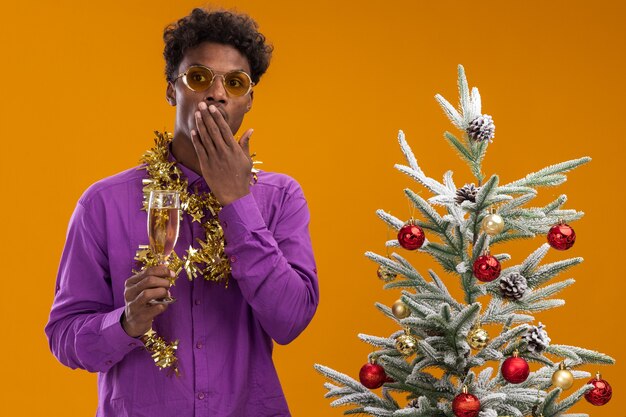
column 163, row 230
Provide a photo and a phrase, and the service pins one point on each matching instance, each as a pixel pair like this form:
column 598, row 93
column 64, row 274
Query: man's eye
column 234, row 82
column 198, row 77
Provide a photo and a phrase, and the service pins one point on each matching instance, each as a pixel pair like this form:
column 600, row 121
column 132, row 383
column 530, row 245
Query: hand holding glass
column 163, row 221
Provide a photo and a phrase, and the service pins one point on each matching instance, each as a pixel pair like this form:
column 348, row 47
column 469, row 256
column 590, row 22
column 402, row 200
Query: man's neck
column 185, row 153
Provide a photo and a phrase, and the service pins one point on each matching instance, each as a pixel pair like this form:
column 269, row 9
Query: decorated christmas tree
column 442, row 361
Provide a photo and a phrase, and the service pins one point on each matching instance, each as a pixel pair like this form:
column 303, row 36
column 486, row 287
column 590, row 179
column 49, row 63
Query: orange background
column 83, row 90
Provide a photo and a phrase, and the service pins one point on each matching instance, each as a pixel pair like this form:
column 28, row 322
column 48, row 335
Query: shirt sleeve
column 84, row 329
column 275, row 271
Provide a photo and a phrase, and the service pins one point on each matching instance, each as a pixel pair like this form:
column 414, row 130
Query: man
column 102, row 312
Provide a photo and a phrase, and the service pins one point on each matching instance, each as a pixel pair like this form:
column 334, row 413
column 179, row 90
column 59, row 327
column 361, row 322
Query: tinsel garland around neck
column 209, row 260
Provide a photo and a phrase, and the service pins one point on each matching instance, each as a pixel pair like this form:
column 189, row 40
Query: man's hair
column 220, row 26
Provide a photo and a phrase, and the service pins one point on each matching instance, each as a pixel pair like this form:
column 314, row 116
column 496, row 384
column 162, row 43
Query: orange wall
column 83, row 89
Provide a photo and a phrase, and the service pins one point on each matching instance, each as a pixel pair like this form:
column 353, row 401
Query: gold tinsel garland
column 209, row 261
column 163, row 353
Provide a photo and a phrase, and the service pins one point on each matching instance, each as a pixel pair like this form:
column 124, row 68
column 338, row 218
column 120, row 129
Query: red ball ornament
column 561, row 236
column 601, row 392
column 411, row 236
column 515, row 369
column 466, row 405
column 486, row 268
column 372, row 375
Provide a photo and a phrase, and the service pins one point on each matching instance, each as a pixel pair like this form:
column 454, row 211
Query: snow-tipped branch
column 551, row 175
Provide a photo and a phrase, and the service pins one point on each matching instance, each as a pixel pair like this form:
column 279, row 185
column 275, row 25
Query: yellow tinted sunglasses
column 200, row 78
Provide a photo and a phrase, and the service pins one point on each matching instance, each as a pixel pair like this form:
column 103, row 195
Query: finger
column 145, row 313
column 220, row 122
column 203, row 156
column 148, row 281
column 151, row 282
column 156, row 309
column 203, row 134
column 145, row 296
column 212, row 128
column 134, row 279
column 159, row 271
column 244, row 142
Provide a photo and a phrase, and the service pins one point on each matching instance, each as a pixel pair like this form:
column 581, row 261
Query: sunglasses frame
column 215, row 74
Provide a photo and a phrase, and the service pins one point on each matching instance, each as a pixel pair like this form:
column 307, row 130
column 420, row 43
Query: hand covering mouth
column 220, row 109
column 224, row 114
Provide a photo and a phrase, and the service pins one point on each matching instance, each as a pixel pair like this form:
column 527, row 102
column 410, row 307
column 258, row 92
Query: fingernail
column 172, row 274
column 202, row 105
column 211, row 108
column 198, row 115
column 251, row 132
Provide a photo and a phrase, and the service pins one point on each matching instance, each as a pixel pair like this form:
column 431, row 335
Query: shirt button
column 201, row 396
column 233, row 258
column 132, row 344
column 224, row 225
column 199, row 345
column 197, row 302
column 108, row 363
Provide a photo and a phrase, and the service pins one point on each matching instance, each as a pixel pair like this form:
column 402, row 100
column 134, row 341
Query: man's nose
column 216, row 91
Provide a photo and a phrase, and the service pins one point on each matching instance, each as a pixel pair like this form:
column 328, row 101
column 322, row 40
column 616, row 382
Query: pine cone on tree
column 467, row 192
column 537, row 338
column 481, row 129
column 513, row 286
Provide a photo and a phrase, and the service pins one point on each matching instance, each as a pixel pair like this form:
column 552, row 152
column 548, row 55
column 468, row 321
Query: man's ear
column 250, row 102
column 170, row 94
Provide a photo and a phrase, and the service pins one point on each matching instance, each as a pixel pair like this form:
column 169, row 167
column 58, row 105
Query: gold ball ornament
column 478, row 338
column 563, row 378
column 400, row 310
column 386, row 274
column 493, row 224
column 406, row 344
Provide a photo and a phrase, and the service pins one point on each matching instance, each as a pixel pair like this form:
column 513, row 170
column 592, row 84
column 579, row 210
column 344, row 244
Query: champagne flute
column 163, row 221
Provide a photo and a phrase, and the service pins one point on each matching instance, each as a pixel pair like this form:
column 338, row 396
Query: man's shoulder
column 116, row 185
column 279, row 182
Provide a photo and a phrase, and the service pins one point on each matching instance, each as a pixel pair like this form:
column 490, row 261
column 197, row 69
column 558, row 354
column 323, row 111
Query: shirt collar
column 192, row 177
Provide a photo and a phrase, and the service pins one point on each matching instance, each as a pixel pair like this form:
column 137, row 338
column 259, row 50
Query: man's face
column 221, row 59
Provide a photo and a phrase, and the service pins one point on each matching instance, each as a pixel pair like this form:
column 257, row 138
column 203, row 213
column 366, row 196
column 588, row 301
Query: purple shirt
column 225, row 334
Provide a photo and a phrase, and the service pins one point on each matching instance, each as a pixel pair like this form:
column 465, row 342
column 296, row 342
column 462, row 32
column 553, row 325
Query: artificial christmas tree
column 431, row 368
